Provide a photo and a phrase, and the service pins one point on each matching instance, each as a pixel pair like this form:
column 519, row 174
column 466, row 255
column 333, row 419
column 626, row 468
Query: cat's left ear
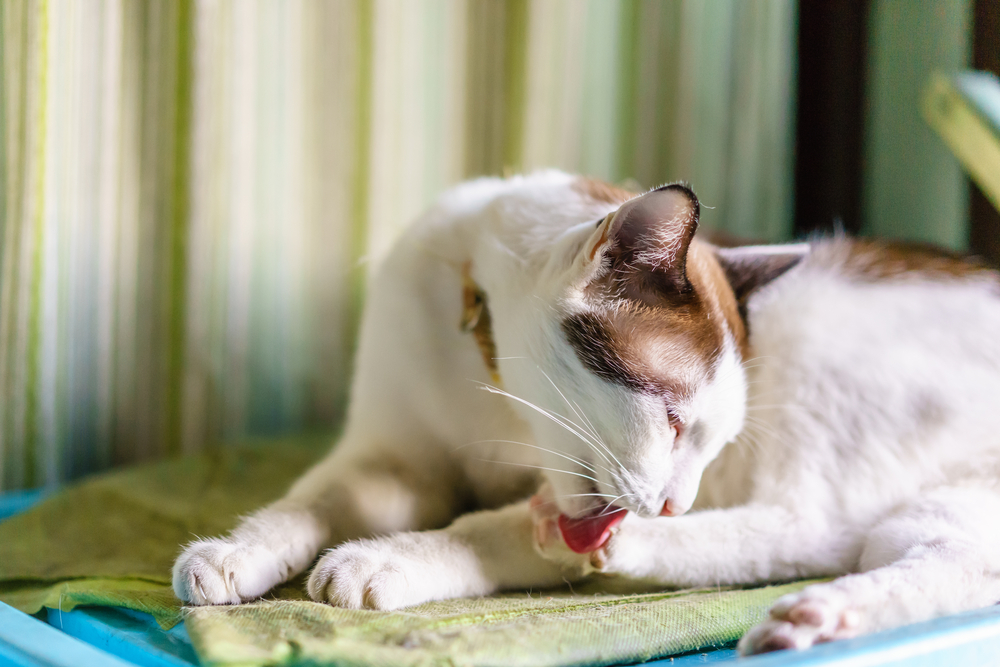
column 648, row 238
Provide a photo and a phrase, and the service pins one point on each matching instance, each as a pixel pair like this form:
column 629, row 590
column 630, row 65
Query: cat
column 624, row 397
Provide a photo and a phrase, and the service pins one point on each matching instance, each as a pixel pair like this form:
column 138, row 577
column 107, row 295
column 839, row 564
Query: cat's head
column 637, row 352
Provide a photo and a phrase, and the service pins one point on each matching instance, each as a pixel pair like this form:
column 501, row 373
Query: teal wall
column 913, row 187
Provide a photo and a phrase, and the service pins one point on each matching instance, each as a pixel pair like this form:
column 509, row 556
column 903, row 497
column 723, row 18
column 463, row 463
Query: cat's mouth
column 591, row 531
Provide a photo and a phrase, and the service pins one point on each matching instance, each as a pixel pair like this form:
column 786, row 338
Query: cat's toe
column 815, row 615
column 381, row 574
column 769, row 636
column 216, row 571
column 199, row 576
column 360, row 575
column 339, row 577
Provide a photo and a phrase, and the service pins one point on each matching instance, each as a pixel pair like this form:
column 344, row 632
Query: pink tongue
column 589, row 533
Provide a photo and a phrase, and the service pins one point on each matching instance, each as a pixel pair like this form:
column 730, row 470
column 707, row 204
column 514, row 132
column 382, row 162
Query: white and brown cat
column 684, row 415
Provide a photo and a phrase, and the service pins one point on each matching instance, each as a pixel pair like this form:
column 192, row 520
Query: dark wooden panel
column 984, row 227
column 831, row 85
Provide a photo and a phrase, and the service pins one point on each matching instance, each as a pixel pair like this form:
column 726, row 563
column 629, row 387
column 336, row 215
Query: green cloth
column 111, row 541
column 553, row 628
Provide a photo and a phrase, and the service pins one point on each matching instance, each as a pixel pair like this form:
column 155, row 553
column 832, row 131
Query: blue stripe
column 14, row 502
column 969, row 639
column 26, row 641
column 128, row 634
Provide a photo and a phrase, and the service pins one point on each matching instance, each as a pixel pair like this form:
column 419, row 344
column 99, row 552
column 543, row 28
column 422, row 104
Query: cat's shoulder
column 839, row 282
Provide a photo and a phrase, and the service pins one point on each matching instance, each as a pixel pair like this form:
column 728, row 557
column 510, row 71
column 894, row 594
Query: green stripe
column 514, row 82
column 13, row 392
column 3, row 151
column 179, row 224
column 31, row 441
column 628, row 70
column 5, row 216
column 362, row 165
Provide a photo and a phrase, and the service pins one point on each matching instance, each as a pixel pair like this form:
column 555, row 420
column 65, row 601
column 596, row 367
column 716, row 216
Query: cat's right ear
column 646, row 241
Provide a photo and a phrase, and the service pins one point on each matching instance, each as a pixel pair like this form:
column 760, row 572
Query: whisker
column 761, row 425
column 783, row 406
column 525, row 444
column 751, row 442
column 610, row 505
column 758, row 358
column 575, row 408
column 758, row 435
column 747, row 367
column 603, row 444
column 575, row 429
column 561, row 395
column 554, row 417
column 586, row 419
column 528, row 465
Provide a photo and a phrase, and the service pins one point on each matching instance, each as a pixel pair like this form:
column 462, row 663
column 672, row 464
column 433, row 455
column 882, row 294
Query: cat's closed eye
column 675, row 422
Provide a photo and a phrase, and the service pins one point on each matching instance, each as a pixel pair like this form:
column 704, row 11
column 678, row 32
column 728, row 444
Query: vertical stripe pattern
column 194, row 192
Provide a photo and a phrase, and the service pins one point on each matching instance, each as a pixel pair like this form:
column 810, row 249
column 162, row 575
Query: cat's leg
column 343, row 497
column 935, row 556
column 748, row 544
column 478, row 554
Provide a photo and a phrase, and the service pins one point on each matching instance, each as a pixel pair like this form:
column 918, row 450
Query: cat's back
column 849, row 295
column 877, row 363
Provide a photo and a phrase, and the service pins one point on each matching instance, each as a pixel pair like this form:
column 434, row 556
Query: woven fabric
column 112, row 540
column 551, row 629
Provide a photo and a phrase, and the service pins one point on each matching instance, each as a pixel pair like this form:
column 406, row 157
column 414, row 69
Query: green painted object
column 964, row 109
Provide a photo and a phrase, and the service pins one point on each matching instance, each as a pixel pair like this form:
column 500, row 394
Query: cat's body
column 857, row 385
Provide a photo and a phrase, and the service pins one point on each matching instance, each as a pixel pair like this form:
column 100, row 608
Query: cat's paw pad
column 216, row 571
column 800, row 620
column 372, row 574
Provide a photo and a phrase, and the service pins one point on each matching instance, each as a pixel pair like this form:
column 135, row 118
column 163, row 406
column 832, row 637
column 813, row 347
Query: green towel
column 111, row 541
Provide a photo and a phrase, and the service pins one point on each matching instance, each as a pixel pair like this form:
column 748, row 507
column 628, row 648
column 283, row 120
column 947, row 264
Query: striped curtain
column 193, row 191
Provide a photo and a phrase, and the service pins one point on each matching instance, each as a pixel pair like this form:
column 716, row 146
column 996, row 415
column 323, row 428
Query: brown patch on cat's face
column 710, row 280
column 668, row 343
column 657, row 316
column 602, row 192
column 647, row 352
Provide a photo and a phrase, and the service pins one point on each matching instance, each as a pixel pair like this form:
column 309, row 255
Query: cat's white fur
column 864, row 431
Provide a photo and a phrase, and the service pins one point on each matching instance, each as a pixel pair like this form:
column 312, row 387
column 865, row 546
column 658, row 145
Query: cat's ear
column 647, row 239
column 749, row 268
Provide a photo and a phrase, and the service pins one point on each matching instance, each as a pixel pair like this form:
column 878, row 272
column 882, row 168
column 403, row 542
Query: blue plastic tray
column 120, row 637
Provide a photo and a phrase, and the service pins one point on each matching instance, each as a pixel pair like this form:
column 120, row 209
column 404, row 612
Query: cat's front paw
column 814, row 615
column 387, row 573
column 216, row 571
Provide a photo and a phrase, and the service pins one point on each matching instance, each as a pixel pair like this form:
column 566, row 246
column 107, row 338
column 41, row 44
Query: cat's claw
column 216, row 571
column 812, row 616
